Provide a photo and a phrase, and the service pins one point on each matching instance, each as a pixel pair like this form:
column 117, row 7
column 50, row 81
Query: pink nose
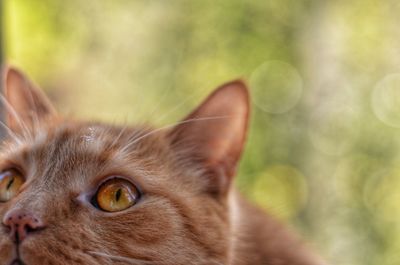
column 21, row 224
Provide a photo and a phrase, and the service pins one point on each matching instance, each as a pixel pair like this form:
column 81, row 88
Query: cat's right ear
column 212, row 137
column 25, row 104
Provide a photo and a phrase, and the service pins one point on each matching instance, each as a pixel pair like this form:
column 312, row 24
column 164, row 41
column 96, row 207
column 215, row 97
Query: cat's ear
column 25, row 104
column 213, row 135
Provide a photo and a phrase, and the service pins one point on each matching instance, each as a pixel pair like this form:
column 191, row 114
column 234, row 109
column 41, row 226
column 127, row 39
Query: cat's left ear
column 212, row 137
column 27, row 104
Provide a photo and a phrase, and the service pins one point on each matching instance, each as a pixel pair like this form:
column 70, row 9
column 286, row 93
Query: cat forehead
column 91, row 135
column 68, row 138
column 82, row 155
column 76, row 136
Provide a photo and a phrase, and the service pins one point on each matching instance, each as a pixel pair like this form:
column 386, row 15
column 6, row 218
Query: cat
column 74, row 192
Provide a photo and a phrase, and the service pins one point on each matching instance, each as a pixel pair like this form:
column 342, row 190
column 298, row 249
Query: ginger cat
column 74, row 192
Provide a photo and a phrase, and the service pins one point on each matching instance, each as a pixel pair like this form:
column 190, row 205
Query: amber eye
column 116, row 195
column 10, row 183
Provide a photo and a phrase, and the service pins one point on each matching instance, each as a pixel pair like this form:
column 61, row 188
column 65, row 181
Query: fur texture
column 188, row 212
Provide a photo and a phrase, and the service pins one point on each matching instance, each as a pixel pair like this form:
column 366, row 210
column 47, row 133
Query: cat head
column 75, row 192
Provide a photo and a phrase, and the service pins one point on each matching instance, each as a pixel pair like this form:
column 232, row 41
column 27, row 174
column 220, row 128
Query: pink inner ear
column 216, row 130
column 228, row 133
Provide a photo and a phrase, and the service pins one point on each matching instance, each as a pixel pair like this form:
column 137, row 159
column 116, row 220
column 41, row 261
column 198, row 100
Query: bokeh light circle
column 352, row 172
column 282, row 190
column 276, row 86
column 385, row 100
column 382, row 196
column 333, row 130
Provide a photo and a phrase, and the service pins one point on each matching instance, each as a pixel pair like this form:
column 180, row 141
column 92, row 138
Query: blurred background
column 323, row 150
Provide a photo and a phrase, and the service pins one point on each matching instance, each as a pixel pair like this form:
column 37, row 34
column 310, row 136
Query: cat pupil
column 118, row 194
column 10, row 183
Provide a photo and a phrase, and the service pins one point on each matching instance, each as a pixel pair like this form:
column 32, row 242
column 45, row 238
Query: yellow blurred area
column 323, row 150
column 282, row 190
column 382, row 196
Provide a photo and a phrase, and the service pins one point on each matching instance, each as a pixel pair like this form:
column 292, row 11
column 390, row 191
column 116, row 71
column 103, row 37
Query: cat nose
column 21, row 224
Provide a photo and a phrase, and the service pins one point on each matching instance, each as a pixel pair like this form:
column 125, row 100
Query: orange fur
column 189, row 213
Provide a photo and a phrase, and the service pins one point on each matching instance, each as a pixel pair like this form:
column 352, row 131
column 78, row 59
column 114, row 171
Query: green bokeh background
column 322, row 154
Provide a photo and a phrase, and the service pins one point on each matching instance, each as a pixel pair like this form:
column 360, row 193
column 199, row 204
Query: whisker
column 10, row 132
column 160, row 101
column 10, row 109
column 172, row 110
column 121, row 258
column 171, row 126
column 176, row 63
column 118, row 136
